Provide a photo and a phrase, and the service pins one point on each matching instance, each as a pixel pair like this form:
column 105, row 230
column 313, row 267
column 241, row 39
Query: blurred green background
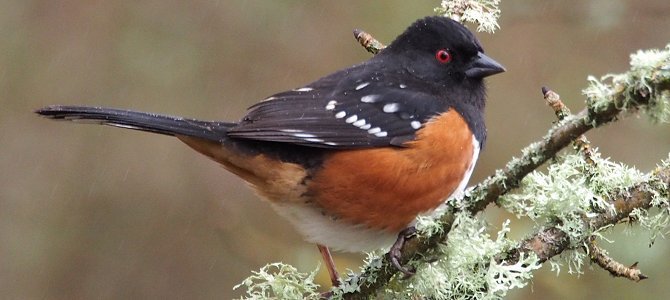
column 91, row 212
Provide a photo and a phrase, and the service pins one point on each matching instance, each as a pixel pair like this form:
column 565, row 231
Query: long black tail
column 168, row 125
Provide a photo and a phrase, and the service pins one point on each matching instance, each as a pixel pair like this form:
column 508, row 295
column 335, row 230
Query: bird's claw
column 395, row 253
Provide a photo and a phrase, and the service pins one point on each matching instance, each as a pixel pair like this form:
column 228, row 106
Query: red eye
column 443, row 56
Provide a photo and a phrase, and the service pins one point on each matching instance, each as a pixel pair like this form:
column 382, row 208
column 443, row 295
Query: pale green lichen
column 466, row 266
column 607, row 177
column 280, row 281
column 484, row 13
column 504, row 277
column 665, row 163
column 656, row 221
column 353, row 283
column 649, row 68
column 574, row 260
column 530, row 153
column 428, row 225
column 569, row 190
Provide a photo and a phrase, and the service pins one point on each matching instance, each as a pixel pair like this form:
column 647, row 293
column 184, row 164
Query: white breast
column 466, row 177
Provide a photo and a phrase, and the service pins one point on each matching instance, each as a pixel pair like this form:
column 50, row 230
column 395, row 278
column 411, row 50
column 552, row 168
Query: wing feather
column 348, row 109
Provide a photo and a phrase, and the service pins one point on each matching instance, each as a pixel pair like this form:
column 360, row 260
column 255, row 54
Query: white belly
column 335, row 234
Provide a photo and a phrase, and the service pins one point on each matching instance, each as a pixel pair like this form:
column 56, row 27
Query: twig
column 616, row 269
column 368, row 41
column 554, row 101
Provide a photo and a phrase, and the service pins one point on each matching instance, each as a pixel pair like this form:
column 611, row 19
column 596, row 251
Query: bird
column 352, row 158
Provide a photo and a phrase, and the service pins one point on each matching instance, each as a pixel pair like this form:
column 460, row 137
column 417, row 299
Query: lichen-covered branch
column 552, row 241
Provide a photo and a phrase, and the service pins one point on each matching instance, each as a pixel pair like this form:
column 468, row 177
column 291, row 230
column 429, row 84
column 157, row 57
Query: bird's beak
column 484, row 66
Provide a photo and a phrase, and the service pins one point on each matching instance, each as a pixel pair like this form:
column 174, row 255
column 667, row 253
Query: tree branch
column 552, row 241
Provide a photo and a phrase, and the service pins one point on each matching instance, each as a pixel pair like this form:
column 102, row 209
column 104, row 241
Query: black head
column 443, row 53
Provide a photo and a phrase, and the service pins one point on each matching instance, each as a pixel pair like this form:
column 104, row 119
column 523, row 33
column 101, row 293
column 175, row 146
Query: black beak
column 484, row 66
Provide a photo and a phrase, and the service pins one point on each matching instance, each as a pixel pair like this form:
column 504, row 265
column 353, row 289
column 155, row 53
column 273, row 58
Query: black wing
column 352, row 108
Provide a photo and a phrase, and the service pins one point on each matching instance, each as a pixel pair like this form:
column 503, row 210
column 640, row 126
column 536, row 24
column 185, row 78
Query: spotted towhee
column 352, row 158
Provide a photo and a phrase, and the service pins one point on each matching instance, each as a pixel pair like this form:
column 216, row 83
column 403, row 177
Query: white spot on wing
column 359, row 123
column 305, row 89
column 126, row 126
column 391, row 107
column 365, row 127
column 340, row 115
column 351, row 119
column 331, row 105
column 402, row 86
column 290, row 130
column 381, row 134
column 304, row 135
column 362, row 85
column 369, row 98
column 415, row 124
column 269, row 98
column 314, row 140
column 374, row 130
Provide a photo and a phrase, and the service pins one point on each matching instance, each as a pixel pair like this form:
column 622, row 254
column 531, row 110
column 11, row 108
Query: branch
column 562, row 112
column 552, row 241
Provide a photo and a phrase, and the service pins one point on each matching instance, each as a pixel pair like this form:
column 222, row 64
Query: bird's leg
column 395, row 254
column 330, row 265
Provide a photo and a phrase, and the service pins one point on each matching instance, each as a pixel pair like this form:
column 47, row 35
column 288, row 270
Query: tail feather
column 162, row 124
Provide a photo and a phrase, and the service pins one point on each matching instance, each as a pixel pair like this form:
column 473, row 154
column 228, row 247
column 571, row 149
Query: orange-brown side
column 385, row 188
column 273, row 180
